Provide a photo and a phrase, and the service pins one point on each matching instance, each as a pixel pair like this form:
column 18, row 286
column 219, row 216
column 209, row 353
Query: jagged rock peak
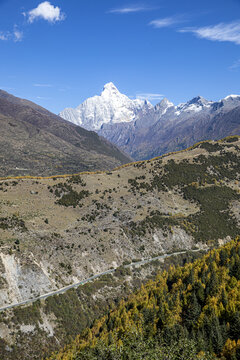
column 195, row 105
column 163, row 106
column 199, row 100
column 166, row 103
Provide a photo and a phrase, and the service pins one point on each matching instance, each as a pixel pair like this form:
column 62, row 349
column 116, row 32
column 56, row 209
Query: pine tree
column 193, row 311
column 235, row 326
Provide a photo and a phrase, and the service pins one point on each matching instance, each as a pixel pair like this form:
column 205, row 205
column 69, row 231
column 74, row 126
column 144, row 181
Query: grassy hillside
column 58, row 231
column 194, row 308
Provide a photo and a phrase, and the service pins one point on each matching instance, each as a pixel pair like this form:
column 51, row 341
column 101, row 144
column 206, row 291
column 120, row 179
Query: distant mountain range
column 33, row 141
column 144, row 131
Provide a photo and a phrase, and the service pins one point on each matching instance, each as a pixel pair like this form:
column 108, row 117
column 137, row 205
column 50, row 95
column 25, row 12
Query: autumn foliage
column 198, row 303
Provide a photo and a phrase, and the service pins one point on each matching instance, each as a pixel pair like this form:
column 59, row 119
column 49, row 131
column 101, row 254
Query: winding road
column 66, row 288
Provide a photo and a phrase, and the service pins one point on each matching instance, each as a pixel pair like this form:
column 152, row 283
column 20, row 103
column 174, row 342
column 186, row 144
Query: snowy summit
column 110, row 107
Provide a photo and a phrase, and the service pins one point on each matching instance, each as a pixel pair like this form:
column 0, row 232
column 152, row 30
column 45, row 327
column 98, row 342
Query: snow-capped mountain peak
column 163, row 106
column 166, row 102
column 110, row 91
column 199, row 100
column 195, row 105
column 110, row 107
column 110, row 87
column 232, row 97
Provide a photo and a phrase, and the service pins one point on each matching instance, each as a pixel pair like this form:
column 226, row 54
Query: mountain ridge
column 36, row 142
column 62, row 176
column 155, row 130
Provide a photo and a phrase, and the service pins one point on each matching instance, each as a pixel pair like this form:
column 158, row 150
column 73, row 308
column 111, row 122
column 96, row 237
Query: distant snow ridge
column 195, row 105
column 232, row 97
column 106, row 114
column 109, row 108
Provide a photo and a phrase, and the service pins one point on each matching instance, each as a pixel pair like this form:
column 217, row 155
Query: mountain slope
column 36, row 142
column 59, row 231
column 183, row 314
column 110, row 107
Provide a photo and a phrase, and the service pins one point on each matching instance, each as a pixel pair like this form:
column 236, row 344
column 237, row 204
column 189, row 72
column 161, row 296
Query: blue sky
column 59, row 52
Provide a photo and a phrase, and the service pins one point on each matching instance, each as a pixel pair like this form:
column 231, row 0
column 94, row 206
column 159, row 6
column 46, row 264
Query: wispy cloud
column 43, row 85
column 43, row 98
column 220, row 32
column 129, row 9
column 166, row 22
column 16, row 35
column 46, row 11
column 235, row 65
column 4, row 36
column 149, row 96
column 6, row 88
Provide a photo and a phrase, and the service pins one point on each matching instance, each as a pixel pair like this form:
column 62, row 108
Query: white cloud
column 220, row 32
column 165, row 22
column 129, row 9
column 149, row 96
column 46, row 11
